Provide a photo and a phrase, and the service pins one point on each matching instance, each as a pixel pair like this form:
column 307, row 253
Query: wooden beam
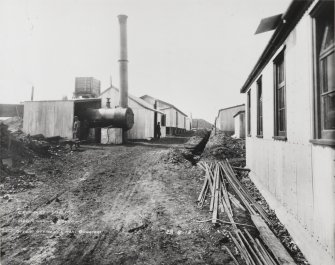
column 273, row 243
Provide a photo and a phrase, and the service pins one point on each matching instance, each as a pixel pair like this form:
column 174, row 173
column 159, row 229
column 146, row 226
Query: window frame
column 259, row 84
column 321, row 135
column 249, row 112
column 163, row 120
column 277, row 63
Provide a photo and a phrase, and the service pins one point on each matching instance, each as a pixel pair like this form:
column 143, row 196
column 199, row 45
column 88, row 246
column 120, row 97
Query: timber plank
column 277, row 249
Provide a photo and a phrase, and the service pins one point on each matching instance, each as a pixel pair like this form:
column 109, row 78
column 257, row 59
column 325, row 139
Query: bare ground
column 111, row 205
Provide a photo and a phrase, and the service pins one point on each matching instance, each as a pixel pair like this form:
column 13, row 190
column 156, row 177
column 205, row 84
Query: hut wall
column 226, row 118
column 295, row 176
column 50, row 118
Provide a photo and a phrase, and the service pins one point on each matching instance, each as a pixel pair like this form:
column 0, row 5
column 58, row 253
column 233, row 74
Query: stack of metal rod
column 249, row 202
column 218, row 177
column 215, row 187
column 252, row 250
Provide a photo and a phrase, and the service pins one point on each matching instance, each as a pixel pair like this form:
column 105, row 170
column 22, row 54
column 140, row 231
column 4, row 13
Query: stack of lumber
column 215, row 186
column 252, row 250
column 218, row 177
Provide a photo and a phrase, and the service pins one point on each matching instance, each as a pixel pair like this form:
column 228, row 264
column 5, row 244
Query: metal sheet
column 268, row 23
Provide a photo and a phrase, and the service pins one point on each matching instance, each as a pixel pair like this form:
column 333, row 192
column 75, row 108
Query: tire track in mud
column 125, row 183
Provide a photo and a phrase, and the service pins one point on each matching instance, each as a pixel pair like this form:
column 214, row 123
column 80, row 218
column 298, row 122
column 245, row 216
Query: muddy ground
column 109, row 205
column 129, row 204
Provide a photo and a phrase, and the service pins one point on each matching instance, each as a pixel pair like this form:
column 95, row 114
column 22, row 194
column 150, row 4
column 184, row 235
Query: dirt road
column 111, row 205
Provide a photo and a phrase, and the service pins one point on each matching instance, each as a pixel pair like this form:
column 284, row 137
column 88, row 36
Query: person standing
column 158, row 130
column 76, row 128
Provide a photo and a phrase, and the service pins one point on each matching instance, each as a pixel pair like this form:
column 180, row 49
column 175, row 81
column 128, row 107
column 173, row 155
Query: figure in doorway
column 76, row 131
column 158, row 130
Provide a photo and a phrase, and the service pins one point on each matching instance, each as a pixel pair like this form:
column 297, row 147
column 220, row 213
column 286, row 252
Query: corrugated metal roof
column 166, row 103
column 140, row 101
column 67, row 100
column 231, row 107
column 239, row 112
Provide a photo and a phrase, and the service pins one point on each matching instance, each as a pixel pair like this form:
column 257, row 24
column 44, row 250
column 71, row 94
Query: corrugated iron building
column 55, row 117
column 291, row 126
column 176, row 121
column 144, row 114
column 225, row 119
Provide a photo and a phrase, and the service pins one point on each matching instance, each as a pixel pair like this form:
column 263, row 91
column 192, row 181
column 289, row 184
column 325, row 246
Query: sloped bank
column 189, row 154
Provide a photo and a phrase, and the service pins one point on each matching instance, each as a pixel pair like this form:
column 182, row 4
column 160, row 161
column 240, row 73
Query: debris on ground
column 233, row 153
column 221, row 146
column 19, row 146
column 190, row 151
column 219, row 177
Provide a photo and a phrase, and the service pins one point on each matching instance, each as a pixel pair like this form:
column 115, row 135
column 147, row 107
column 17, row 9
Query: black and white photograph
column 167, row 132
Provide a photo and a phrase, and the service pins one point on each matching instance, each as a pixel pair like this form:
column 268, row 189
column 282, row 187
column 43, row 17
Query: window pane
column 280, row 72
column 330, row 72
column 281, row 99
column 281, row 120
column 328, row 38
column 329, row 111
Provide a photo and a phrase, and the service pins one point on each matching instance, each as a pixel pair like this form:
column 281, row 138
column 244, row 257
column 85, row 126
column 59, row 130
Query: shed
column 11, row 110
column 176, row 121
column 225, row 118
column 55, row 117
column 239, row 121
column 144, row 114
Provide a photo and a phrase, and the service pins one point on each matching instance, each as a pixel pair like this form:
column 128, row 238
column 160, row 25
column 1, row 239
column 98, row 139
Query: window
column 280, row 97
column 163, row 120
column 259, row 107
column 249, row 114
column 324, row 70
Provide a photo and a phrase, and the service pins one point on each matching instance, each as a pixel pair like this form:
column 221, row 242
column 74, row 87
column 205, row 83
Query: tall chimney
column 123, row 62
column 32, row 93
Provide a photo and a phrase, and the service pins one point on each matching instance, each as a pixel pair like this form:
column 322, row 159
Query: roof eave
column 289, row 20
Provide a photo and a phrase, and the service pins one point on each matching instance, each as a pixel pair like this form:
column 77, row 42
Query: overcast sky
column 195, row 54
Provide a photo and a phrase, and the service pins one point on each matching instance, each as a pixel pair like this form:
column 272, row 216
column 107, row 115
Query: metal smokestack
column 123, row 62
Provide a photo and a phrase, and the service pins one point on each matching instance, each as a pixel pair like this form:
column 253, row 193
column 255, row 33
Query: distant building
column 86, row 87
column 239, row 122
column 290, row 147
column 175, row 120
column 225, row 119
column 11, row 110
column 144, row 114
column 201, row 124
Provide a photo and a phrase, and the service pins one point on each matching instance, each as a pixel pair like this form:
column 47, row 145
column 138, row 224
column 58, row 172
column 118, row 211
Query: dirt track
column 115, row 205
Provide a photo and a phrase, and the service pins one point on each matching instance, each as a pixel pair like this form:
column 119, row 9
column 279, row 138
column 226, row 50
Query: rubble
column 221, row 146
column 20, row 146
column 191, row 150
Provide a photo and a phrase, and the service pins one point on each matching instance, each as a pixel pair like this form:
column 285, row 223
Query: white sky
column 195, row 54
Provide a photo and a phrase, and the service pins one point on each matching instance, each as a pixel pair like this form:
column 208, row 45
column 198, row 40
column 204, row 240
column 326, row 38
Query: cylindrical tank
column 117, row 117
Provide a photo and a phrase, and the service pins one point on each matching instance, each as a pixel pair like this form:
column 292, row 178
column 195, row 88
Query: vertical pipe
column 123, row 62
